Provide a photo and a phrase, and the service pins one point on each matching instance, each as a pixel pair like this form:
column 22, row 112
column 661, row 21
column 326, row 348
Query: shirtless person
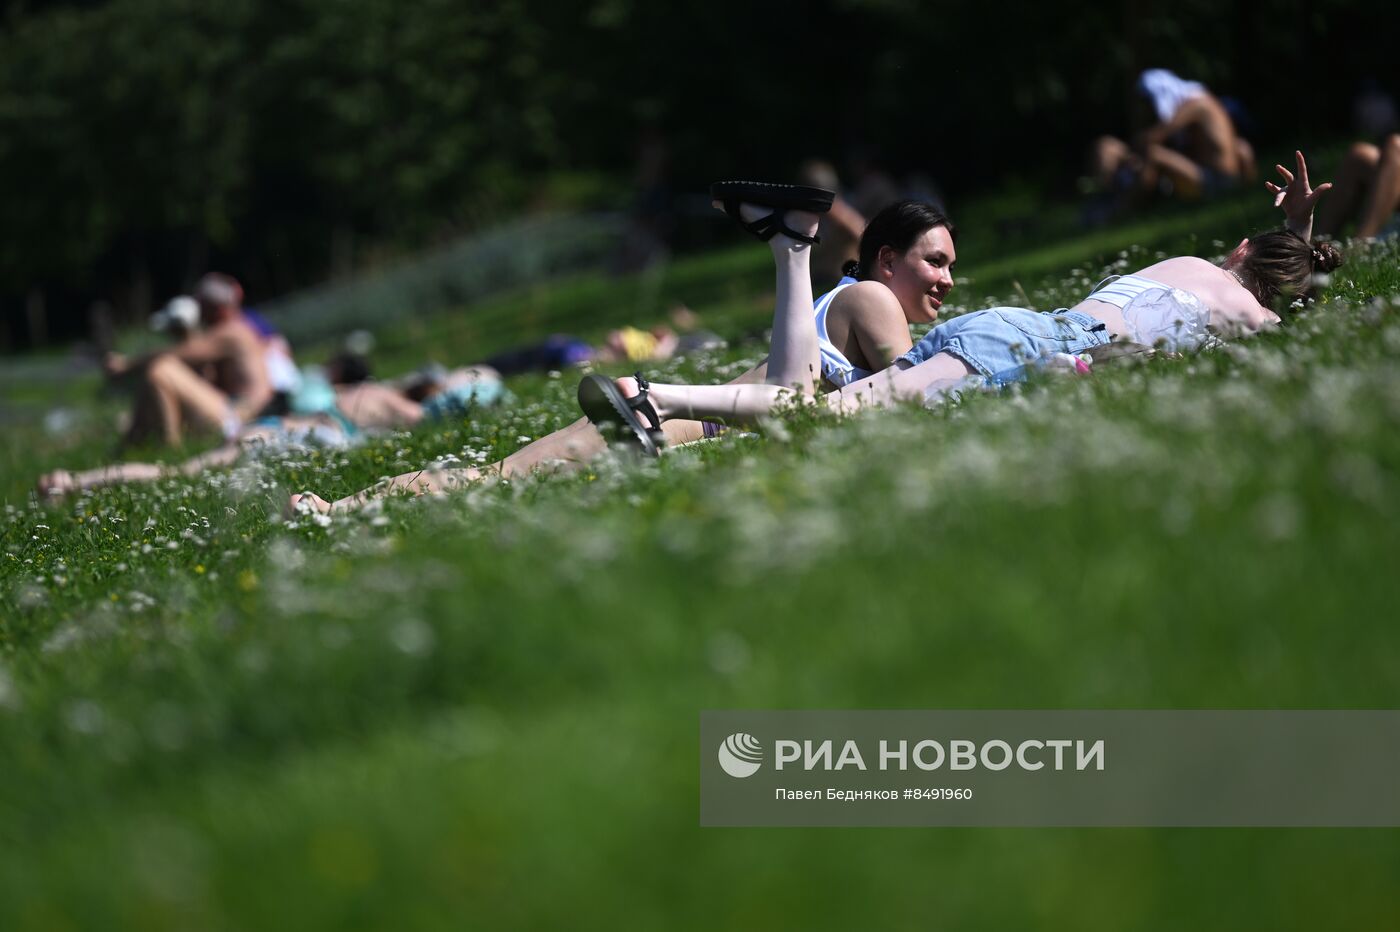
column 214, row 379
column 1192, row 144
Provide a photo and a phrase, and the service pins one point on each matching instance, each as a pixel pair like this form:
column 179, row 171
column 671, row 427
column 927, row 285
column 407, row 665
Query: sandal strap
column 642, row 404
column 765, row 228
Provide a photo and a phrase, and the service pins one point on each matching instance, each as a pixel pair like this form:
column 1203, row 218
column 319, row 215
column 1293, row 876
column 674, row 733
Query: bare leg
column 1385, row 191
column 749, row 404
column 171, row 390
column 419, row 482
column 576, row 444
column 795, row 360
column 795, row 356
column 1108, row 156
column 1245, row 159
column 566, row 449
column 1354, row 179
column 1185, row 174
column 733, row 404
column 61, row 481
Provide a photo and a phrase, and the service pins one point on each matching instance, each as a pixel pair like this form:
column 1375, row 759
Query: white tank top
column 836, row 368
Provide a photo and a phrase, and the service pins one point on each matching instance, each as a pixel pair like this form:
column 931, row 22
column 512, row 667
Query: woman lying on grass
column 904, row 273
column 1181, row 304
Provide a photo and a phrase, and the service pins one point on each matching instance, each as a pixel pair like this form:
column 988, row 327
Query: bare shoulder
column 236, row 333
column 866, row 300
column 1179, row 265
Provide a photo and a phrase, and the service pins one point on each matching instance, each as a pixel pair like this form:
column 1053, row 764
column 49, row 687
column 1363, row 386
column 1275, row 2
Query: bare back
column 1209, row 135
column 1233, row 309
column 242, row 371
column 234, row 352
column 369, row 405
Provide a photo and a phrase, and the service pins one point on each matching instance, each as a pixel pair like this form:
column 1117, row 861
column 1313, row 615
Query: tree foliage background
column 144, row 141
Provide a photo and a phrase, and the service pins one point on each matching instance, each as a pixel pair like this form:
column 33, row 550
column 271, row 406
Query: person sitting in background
column 215, row 378
column 1192, row 149
column 1367, row 189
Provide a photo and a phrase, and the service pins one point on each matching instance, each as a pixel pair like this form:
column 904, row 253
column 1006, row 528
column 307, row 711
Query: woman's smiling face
column 922, row 275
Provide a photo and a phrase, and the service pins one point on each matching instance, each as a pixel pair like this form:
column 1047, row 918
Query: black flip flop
column 603, row 403
column 780, row 197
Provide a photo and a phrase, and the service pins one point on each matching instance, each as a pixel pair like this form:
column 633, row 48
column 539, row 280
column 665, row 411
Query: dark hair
column 347, row 369
column 897, row 226
column 1281, row 263
column 217, row 290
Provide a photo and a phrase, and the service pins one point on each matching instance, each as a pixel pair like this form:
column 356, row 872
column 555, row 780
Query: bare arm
column 1298, row 199
column 1189, row 113
column 882, row 336
column 200, row 348
column 869, row 316
column 196, row 349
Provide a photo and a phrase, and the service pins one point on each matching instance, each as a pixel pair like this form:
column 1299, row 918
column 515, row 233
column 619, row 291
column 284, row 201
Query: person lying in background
column 560, row 352
column 335, row 407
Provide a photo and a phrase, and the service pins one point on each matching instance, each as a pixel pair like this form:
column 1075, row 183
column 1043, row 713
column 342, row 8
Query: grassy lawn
column 481, row 711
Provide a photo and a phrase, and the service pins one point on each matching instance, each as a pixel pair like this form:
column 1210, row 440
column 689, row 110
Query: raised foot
column 769, row 211
column 616, row 415
column 306, row 503
column 56, row 483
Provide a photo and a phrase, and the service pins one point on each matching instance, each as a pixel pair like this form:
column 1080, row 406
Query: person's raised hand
column 1298, row 197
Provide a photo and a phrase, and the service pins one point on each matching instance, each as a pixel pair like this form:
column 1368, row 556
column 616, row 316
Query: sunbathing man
column 1193, row 145
column 215, row 379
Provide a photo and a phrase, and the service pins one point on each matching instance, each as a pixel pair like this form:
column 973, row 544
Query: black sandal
column 781, row 197
column 604, row 404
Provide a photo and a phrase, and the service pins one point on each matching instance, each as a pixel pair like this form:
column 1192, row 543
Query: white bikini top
column 1158, row 314
column 836, row 368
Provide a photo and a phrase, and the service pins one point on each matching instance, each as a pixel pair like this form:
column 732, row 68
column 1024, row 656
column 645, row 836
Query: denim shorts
column 1001, row 342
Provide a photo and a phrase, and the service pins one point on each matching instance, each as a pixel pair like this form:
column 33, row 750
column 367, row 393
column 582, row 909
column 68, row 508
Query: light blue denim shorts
column 1001, row 342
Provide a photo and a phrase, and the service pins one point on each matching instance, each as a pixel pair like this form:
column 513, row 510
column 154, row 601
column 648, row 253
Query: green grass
column 481, row 711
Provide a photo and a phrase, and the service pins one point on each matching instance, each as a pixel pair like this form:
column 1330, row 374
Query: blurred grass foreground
column 481, row 710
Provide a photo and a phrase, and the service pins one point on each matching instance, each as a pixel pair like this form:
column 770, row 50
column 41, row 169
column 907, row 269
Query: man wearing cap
column 174, row 394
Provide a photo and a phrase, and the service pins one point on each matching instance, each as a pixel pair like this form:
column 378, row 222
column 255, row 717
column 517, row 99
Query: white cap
column 1167, row 91
column 182, row 311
